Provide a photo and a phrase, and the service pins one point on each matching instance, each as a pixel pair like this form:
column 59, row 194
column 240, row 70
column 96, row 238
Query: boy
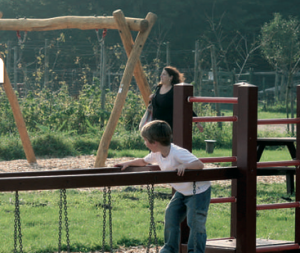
column 157, row 135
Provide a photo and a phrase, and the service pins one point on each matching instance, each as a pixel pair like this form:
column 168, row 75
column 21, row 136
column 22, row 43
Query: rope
column 20, row 39
column 104, row 33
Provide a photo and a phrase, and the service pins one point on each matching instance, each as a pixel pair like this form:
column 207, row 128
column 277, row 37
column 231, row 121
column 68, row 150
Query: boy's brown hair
column 157, row 130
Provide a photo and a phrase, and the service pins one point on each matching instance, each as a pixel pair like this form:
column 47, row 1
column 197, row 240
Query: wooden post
column 103, row 77
column 123, row 89
column 234, row 153
column 15, row 67
column 182, row 132
column 182, row 116
column 127, row 40
column 46, row 74
column 246, row 164
column 297, row 194
column 18, row 118
column 168, row 58
column 196, row 68
column 215, row 81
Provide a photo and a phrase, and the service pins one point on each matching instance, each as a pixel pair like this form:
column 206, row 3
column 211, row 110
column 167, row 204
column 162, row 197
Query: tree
column 280, row 45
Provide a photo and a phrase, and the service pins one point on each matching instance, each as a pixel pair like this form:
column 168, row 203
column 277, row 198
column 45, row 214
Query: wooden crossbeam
column 70, row 22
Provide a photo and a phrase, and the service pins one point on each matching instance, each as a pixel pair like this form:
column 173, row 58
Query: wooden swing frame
column 133, row 66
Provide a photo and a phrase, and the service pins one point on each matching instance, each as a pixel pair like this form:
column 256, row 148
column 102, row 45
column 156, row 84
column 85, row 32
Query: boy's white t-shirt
column 177, row 156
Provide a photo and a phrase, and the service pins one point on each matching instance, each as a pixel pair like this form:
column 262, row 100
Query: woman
column 162, row 99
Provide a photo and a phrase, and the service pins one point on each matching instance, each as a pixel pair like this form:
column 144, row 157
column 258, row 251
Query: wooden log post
column 13, row 100
column 246, row 165
column 70, row 22
column 297, row 194
column 182, row 135
column 122, row 93
column 127, row 40
column 233, row 220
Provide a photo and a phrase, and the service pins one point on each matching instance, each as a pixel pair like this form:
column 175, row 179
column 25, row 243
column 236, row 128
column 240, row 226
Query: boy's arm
column 135, row 162
column 195, row 165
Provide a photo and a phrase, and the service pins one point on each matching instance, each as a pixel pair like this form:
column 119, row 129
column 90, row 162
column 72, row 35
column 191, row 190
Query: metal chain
column 110, row 219
column 17, row 226
column 152, row 222
column 63, row 202
column 194, row 217
column 104, row 219
column 66, row 219
column 59, row 221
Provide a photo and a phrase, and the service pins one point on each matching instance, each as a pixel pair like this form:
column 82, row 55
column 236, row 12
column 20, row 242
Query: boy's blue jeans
column 179, row 208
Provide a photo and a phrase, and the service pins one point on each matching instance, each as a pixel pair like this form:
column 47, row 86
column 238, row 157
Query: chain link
column 194, row 217
column 60, row 221
column 63, row 204
column 104, row 219
column 66, row 219
column 110, row 219
column 17, row 225
column 152, row 222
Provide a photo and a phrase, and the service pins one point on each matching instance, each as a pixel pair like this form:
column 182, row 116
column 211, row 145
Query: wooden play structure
column 133, row 66
column 243, row 172
column 242, row 237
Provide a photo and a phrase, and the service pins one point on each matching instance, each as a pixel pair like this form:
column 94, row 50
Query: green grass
column 130, row 218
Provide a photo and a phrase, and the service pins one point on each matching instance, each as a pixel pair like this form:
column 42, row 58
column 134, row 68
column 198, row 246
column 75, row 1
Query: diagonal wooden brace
column 122, row 92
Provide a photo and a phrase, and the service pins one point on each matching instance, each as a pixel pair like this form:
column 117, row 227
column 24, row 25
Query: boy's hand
column 123, row 165
column 180, row 169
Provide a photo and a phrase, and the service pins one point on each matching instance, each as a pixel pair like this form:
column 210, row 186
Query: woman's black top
column 163, row 106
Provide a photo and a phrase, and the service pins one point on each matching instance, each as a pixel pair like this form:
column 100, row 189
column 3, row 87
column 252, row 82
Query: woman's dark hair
column 174, row 72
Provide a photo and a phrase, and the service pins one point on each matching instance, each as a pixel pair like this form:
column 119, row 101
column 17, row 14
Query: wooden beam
column 13, row 100
column 122, row 93
column 70, row 22
column 127, row 40
column 32, row 182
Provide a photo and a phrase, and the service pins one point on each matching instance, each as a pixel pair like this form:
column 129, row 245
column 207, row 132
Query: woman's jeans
column 179, row 208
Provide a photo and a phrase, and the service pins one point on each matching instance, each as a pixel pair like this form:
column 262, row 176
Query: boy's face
column 151, row 146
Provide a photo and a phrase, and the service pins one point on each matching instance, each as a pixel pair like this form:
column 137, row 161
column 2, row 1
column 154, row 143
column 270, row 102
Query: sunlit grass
column 130, row 217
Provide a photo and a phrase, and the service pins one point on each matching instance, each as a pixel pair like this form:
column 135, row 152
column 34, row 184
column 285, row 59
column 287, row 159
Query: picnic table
column 289, row 142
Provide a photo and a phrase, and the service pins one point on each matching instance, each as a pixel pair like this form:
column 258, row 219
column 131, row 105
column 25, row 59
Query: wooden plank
column 70, row 22
column 13, row 100
column 27, row 183
column 79, row 171
column 127, row 40
column 122, row 93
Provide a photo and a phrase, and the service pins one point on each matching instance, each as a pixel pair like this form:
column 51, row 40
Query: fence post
column 182, row 131
column 297, row 194
column 182, row 116
column 234, row 153
column 246, row 164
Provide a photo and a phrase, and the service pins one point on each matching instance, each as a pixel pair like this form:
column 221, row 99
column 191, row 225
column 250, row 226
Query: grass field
column 130, row 217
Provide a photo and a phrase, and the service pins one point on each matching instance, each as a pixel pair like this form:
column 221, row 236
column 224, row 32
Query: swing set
column 133, row 66
column 243, row 173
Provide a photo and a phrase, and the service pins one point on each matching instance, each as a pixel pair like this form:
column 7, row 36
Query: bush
column 53, row 145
